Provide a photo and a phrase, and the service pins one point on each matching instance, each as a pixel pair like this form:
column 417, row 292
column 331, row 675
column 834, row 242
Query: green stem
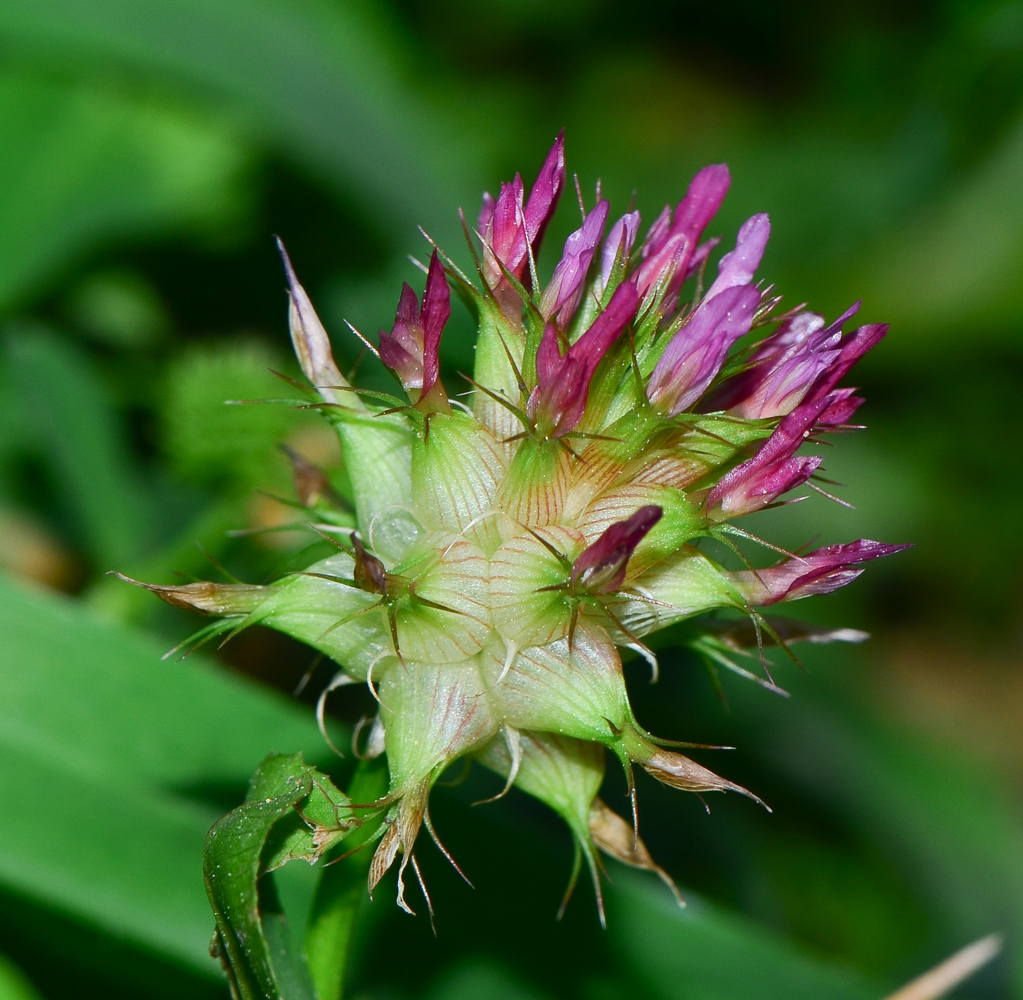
column 342, row 891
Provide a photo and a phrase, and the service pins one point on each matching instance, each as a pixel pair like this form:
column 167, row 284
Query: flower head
column 495, row 559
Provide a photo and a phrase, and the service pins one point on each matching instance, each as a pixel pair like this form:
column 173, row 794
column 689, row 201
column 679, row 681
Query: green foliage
column 115, row 765
column 210, row 441
column 84, row 164
column 13, row 985
column 290, row 812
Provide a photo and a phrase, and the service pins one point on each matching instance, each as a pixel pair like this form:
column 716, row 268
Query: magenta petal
column 745, row 488
column 852, row 348
column 818, row 572
column 657, row 233
column 619, row 243
column 841, row 408
column 411, row 349
column 543, row 198
column 765, row 483
column 695, row 354
column 739, row 266
column 667, row 253
column 703, row 199
column 405, row 364
column 600, row 568
column 561, row 297
column 408, row 305
column 563, row 380
column 436, row 312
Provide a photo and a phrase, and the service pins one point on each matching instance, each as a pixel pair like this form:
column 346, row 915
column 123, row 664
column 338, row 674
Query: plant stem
column 341, row 892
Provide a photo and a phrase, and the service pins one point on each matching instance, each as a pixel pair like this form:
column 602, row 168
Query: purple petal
column 667, row 254
column 436, row 311
column 618, row 245
column 563, row 380
column 739, row 266
column 802, row 359
column 600, row 568
column 543, row 198
column 818, row 572
column 695, row 354
column 561, row 296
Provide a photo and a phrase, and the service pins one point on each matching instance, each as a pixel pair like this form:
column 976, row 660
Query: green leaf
column 341, row 895
column 705, row 953
column 75, row 429
column 82, row 164
column 116, row 765
column 13, row 984
column 322, row 817
column 252, row 934
column 316, row 79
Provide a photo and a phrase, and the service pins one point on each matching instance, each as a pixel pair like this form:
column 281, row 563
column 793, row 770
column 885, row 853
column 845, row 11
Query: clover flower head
column 493, row 561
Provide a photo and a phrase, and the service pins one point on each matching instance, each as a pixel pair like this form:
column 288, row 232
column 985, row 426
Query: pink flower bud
column 738, row 266
column 600, row 567
column 558, row 402
column 510, row 229
column 563, row 293
column 618, row 245
column 411, row 349
column 818, row 572
column 668, row 249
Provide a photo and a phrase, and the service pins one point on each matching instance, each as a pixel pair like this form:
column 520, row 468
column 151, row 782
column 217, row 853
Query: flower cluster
column 496, row 558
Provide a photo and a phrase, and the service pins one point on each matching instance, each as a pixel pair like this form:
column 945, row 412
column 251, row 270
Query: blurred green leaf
column 14, row 985
column 958, row 265
column 68, row 414
column 705, row 953
column 949, row 824
column 319, row 80
column 207, row 439
column 480, row 980
column 83, row 165
column 115, row 765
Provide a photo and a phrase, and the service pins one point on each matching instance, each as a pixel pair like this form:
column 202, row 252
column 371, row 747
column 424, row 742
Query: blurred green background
column 149, row 149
